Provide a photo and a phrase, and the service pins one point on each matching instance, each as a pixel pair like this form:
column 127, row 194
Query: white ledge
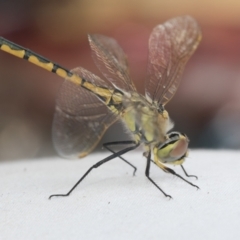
column 111, row 204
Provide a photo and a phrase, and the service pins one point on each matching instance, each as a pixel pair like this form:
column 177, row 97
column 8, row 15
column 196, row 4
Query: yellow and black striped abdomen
column 110, row 97
column 38, row 60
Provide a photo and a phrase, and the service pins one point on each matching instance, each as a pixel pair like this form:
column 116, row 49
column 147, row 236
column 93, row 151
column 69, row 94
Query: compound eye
column 174, row 150
column 180, row 148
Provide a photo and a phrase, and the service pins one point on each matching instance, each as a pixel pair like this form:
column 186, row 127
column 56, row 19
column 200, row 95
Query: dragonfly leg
column 111, row 157
column 106, row 145
column 169, row 170
column 185, row 172
column 147, row 173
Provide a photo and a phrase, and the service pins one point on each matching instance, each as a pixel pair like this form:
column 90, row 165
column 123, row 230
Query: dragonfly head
column 173, row 150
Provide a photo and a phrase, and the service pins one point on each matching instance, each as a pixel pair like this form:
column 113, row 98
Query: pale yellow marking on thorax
column 129, row 118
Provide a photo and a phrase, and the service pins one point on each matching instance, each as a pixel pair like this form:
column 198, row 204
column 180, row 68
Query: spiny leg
column 96, row 166
column 147, row 172
column 169, row 170
column 187, row 173
column 106, row 145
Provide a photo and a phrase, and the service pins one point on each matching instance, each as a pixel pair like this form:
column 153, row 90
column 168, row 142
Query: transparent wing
column 80, row 118
column 170, row 46
column 111, row 61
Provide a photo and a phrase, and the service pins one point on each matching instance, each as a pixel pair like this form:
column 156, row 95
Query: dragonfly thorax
column 145, row 121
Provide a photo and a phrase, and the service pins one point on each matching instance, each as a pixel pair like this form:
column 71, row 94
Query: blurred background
column 206, row 106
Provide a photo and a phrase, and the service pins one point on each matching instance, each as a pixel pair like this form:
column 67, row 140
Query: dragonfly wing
column 111, row 61
column 171, row 44
column 80, row 118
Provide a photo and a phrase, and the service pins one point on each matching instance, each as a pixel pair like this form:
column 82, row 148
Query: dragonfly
column 87, row 105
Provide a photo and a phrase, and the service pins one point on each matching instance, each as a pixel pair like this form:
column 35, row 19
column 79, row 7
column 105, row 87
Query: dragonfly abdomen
column 112, row 98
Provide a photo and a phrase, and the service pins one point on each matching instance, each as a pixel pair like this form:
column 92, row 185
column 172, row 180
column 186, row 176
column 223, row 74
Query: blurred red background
column 206, row 106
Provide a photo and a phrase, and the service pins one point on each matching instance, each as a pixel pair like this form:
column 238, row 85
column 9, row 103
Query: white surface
column 111, row 204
